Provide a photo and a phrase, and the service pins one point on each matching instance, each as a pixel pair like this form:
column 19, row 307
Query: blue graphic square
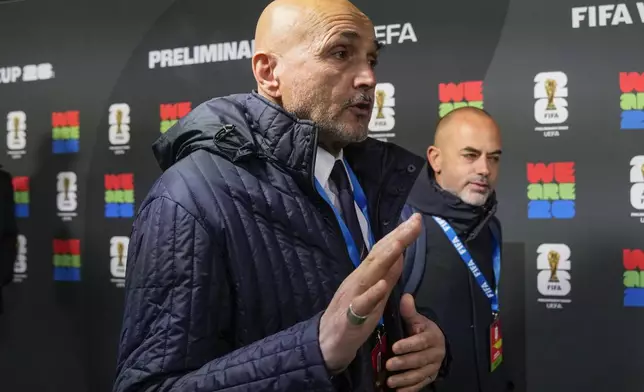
column 72, row 146
column 633, row 119
column 112, row 210
column 634, row 297
column 119, row 210
column 22, row 210
column 65, row 146
column 127, row 210
column 67, row 274
column 58, row 147
column 546, row 209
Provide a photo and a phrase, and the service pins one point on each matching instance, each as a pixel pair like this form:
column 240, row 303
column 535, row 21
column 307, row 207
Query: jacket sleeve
column 8, row 230
column 177, row 332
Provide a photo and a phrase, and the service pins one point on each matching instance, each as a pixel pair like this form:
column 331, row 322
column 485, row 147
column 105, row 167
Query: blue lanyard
column 493, row 296
column 361, row 200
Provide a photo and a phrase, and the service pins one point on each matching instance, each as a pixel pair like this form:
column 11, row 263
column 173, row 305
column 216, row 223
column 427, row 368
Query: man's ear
column 435, row 158
column 264, row 66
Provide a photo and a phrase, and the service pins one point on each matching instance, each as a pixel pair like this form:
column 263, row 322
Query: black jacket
column 8, row 231
column 449, row 288
column 234, row 255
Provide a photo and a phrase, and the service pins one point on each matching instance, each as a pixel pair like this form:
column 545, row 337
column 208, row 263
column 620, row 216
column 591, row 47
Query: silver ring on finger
column 354, row 318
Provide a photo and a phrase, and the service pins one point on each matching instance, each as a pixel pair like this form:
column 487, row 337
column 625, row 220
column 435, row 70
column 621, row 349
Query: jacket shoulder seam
column 171, row 200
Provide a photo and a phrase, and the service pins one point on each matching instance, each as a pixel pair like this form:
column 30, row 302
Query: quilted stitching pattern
column 229, row 268
column 179, row 310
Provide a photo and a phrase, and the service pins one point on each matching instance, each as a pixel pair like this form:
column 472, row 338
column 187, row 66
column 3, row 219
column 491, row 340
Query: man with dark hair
column 267, row 257
column 454, row 266
column 8, row 231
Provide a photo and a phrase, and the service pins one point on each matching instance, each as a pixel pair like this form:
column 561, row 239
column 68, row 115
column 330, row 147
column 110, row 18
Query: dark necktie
column 345, row 196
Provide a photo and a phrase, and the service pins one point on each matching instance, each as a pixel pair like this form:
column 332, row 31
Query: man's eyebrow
column 353, row 35
column 350, row 35
column 474, row 150
column 471, row 149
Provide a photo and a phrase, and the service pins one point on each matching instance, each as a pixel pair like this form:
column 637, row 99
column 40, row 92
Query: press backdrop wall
column 571, row 181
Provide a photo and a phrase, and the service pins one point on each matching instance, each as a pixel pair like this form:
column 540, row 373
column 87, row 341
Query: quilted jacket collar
column 248, row 126
column 237, row 127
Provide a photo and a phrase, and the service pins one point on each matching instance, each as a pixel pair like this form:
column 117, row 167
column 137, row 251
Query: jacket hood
column 428, row 197
column 240, row 126
column 249, row 127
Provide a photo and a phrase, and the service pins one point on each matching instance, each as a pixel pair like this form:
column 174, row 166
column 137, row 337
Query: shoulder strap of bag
column 495, row 228
column 415, row 257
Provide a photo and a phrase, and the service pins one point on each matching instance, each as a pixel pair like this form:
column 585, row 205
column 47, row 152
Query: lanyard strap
column 361, row 200
column 493, row 296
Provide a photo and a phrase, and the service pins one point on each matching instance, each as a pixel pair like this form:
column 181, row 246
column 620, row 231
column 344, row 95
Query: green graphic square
column 114, row 196
column 633, row 278
column 21, row 197
column 128, row 196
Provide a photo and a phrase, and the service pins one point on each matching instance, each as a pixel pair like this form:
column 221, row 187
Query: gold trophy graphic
column 553, row 260
column 119, row 120
column 642, row 168
column 380, row 101
column 66, row 188
column 551, row 88
column 16, row 127
column 120, row 249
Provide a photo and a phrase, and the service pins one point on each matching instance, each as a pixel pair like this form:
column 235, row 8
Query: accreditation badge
column 378, row 359
column 496, row 345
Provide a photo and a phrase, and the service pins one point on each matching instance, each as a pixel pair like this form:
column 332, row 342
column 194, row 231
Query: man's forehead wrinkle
column 312, row 31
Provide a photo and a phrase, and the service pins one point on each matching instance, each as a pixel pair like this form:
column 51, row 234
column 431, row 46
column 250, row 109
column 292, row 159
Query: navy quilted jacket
column 234, row 256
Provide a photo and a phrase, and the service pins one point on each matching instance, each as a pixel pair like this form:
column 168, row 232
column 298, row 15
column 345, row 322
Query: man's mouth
column 361, row 108
column 480, row 185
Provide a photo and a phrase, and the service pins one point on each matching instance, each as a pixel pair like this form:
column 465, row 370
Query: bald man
column 266, row 257
column 457, row 258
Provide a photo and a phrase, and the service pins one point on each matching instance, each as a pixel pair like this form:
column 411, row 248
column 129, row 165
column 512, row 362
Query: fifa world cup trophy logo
column 551, row 88
column 553, row 260
column 120, row 249
column 380, row 102
column 119, row 121
column 66, row 188
column 16, row 127
column 642, row 169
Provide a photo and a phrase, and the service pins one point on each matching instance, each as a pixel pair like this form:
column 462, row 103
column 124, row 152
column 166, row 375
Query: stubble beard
column 331, row 129
column 474, row 199
column 469, row 197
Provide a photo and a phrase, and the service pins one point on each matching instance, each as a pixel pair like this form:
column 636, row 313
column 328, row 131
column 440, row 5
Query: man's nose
column 366, row 78
column 483, row 166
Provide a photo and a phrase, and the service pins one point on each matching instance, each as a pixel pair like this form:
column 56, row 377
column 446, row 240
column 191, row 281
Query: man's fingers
column 414, row 343
column 411, row 378
column 405, row 232
column 408, row 231
column 388, row 250
column 367, row 302
column 431, row 357
column 393, row 275
column 408, row 308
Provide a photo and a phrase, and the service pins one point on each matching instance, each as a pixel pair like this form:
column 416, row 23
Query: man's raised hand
column 359, row 302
